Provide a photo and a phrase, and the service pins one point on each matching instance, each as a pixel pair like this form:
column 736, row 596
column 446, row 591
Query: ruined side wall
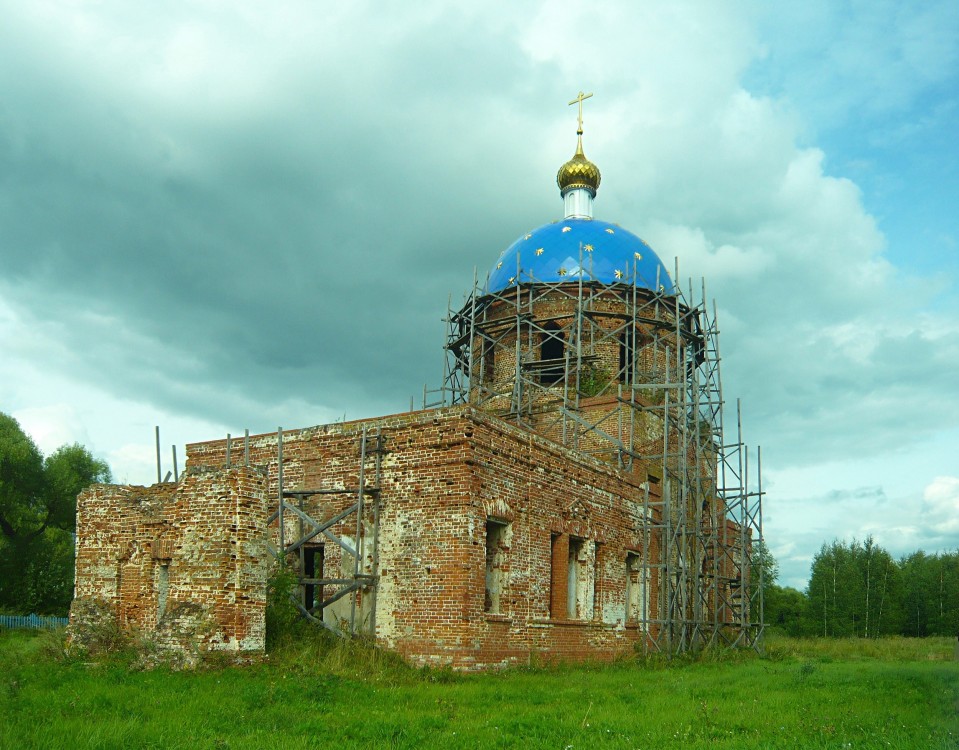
column 444, row 474
column 119, row 527
column 426, row 519
column 549, row 495
column 183, row 566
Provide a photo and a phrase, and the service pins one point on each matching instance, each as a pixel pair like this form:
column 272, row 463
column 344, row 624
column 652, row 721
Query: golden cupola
column 578, row 179
column 578, row 172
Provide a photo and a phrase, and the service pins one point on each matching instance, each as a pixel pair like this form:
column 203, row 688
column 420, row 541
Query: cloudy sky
column 227, row 215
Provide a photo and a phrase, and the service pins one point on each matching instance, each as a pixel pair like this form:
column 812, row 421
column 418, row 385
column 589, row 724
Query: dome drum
column 598, row 345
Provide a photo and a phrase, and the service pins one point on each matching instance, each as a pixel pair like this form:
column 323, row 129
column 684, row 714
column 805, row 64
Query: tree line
column 38, row 516
column 858, row 589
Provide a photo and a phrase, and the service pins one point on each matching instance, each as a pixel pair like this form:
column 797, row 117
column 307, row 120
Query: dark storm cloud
column 304, row 248
column 230, row 211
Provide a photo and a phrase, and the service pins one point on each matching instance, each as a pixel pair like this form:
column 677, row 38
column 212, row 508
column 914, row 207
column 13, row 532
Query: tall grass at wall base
column 298, row 646
column 325, row 692
column 888, row 648
column 310, row 648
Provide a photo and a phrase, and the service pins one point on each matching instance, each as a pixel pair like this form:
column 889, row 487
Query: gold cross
column 579, row 100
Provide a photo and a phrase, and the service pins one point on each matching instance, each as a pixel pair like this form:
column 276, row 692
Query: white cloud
column 52, row 425
column 219, row 214
column 940, row 507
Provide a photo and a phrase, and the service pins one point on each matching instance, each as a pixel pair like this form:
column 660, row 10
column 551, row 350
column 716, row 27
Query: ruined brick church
column 573, row 494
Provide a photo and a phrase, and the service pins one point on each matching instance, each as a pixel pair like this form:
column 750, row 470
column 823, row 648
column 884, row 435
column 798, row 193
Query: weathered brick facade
column 480, row 543
column 448, row 477
column 182, row 565
column 576, row 502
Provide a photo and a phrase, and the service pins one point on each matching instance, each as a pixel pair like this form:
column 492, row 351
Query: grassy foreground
column 313, row 693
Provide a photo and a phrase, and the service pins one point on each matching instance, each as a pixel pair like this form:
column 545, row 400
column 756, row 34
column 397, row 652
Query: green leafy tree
column 917, row 593
column 21, row 483
column 930, row 598
column 943, row 593
column 834, row 591
column 784, row 609
column 782, row 606
column 38, row 518
column 820, row 591
column 764, row 574
column 883, row 585
column 854, row 590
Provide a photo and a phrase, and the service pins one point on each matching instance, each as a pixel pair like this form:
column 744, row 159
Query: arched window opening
column 552, row 349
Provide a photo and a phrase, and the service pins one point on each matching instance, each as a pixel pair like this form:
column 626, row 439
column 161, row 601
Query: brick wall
column 183, row 566
column 445, row 473
column 187, row 564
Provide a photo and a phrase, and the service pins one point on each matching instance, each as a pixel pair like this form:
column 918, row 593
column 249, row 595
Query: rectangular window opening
column 636, row 588
column 312, row 571
column 554, row 577
column 597, row 581
column 627, row 356
column 496, row 548
column 577, row 581
column 489, row 361
column 163, row 589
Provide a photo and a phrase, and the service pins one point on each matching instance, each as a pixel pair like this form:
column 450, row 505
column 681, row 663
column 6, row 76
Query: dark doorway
column 552, row 348
column 312, row 570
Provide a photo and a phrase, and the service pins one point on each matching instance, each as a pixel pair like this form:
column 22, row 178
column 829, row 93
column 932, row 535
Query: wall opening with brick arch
column 637, row 586
column 578, row 581
column 497, row 549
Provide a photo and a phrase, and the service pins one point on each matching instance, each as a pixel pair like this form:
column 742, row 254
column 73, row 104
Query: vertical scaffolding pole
column 357, row 545
column 159, row 474
column 375, row 571
column 279, row 491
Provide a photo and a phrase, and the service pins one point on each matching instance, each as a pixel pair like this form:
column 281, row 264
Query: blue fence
column 31, row 622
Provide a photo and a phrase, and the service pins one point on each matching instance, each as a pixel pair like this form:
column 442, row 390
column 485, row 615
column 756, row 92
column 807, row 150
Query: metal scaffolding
column 629, row 373
column 344, row 603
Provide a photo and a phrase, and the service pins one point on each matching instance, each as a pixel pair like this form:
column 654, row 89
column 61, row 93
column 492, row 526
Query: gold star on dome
column 637, row 256
column 662, row 288
column 566, row 229
column 610, row 231
column 527, row 236
column 499, row 265
column 511, row 280
column 561, row 272
column 588, row 248
column 539, row 251
column 618, row 274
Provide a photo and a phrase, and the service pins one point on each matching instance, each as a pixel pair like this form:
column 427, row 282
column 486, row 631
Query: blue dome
column 551, row 253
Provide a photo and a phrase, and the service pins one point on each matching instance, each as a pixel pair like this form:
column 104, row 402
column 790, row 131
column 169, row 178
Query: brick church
column 573, row 494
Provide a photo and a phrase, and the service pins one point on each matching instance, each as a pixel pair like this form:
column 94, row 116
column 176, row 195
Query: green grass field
column 312, row 693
